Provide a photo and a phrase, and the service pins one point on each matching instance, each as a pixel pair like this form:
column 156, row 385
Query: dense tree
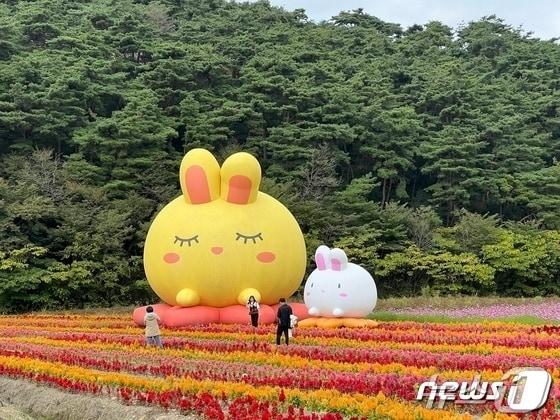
column 430, row 154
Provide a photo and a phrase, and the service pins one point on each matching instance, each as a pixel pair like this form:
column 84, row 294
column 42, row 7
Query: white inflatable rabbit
column 337, row 288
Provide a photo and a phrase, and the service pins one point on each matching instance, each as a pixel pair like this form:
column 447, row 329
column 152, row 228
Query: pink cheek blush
column 171, row 258
column 266, row 257
column 343, row 295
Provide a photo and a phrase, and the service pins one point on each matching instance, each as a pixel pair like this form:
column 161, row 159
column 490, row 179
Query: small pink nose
column 217, row 250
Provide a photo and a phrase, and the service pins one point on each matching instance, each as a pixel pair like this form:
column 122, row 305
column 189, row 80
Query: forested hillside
column 430, row 154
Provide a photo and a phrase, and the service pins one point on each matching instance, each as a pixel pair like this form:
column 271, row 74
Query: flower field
column 548, row 309
column 224, row 371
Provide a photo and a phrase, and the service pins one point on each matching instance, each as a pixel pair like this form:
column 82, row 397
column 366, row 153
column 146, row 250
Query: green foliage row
column 391, row 143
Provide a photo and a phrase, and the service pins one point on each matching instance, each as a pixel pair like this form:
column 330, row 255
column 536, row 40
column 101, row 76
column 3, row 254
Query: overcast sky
column 542, row 17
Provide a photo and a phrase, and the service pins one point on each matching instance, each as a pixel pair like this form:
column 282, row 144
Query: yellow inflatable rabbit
column 223, row 240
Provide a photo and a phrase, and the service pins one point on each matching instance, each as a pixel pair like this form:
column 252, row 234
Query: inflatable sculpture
column 220, row 242
column 337, row 292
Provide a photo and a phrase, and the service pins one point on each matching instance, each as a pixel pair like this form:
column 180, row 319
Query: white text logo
column 520, row 390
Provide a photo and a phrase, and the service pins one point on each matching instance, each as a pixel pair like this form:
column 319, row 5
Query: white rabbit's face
column 326, row 286
column 339, row 288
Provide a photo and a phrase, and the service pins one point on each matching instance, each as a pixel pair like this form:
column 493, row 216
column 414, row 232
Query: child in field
column 153, row 335
column 293, row 323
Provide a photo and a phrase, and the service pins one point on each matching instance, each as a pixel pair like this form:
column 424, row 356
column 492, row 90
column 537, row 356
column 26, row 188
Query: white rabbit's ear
column 322, row 257
column 339, row 260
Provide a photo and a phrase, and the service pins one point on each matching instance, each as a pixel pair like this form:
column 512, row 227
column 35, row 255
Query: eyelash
column 187, row 240
column 249, row 237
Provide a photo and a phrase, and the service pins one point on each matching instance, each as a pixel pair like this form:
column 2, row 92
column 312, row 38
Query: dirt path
column 9, row 412
column 22, row 400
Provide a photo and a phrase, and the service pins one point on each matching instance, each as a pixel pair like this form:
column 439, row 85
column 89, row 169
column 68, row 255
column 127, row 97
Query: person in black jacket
column 283, row 319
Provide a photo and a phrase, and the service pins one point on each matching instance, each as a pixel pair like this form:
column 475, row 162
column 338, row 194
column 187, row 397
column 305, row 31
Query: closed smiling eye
column 188, row 241
column 246, row 238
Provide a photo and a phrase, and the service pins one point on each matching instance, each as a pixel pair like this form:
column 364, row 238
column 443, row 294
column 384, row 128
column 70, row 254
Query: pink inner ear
column 335, row 264
column 320, row 261
column 197, row 185
column 239, row 189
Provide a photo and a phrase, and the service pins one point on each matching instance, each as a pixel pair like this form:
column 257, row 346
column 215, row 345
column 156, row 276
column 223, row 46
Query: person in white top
column 293, row 323
column 152, row 333
column 253, row 307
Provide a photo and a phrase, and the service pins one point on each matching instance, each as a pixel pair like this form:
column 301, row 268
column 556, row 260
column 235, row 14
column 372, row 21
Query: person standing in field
column 152, row 333
column 253, row 307
column 283, row 320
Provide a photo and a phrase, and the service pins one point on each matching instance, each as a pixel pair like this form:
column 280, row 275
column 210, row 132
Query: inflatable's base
column 176, row 316
column 337, row 322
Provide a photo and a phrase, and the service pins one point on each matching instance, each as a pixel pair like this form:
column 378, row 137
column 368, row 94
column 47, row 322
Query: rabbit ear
column 241, row 177
column 322, row 257
column 339, row 260
column 199, row 176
